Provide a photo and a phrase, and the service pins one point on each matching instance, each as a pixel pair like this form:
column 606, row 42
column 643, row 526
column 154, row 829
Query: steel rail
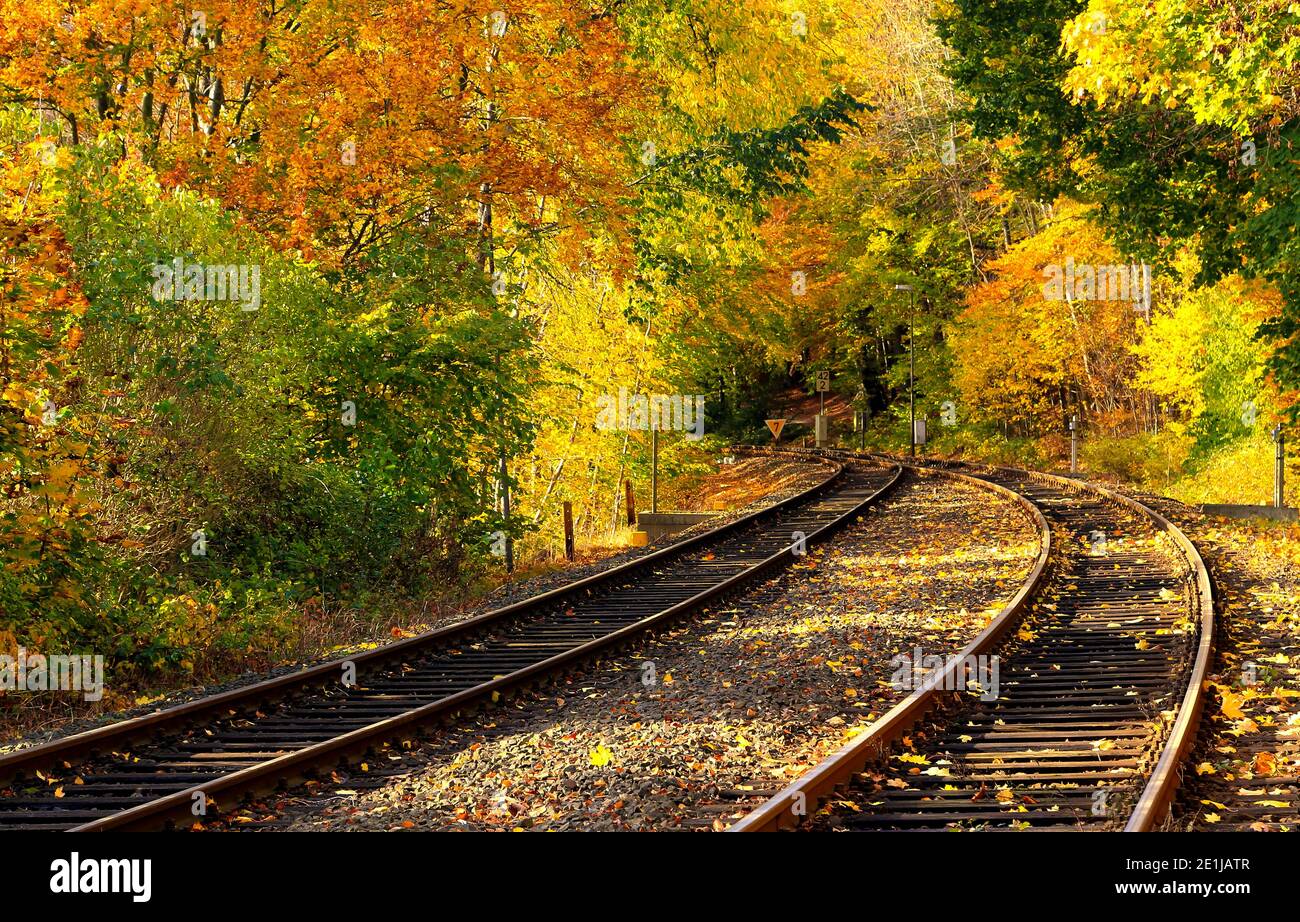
column 121, row 734
column 272, row 772
column 1153, row 803
column 788, row 807
column 1152, row 807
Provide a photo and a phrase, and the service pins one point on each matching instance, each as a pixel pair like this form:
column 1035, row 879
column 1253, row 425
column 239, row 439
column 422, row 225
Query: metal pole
column 1074, row 444
column 911, row 371
column 654, row 470
column 505, row 513
column 1279, row 469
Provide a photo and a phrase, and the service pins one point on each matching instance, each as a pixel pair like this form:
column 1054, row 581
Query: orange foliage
column 328, row 124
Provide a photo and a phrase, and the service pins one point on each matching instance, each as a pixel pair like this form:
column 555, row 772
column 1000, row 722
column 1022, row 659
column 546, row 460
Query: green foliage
column 749, row 167
column 1151, row 460
column 1010, row 65
column 338, row 437
column 1164, row 176
column 1239, row 472
column 697, row 208
column 1158, row 178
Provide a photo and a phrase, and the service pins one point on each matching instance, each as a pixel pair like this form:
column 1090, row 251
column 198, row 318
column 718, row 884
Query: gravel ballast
column 777, row 477
column 703, row 721
column 1244, row 772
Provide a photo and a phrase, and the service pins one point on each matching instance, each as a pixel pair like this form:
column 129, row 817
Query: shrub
column 1152, row 461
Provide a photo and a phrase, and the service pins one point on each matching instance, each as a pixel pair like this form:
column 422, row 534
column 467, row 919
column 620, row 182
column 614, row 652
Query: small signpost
column 819, row 424
column 776, row 425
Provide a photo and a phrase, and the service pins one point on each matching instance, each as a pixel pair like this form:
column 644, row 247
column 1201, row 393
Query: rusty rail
column 787, row 808
column 266, row 774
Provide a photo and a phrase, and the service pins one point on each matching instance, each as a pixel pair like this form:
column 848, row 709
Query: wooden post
column 631, row 502
column 568, row 531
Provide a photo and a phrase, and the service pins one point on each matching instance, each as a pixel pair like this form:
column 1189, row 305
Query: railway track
column 1099, row 681
column 1256, row 786
column 187, row 761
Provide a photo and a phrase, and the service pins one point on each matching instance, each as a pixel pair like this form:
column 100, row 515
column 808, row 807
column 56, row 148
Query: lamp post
column 911, row 367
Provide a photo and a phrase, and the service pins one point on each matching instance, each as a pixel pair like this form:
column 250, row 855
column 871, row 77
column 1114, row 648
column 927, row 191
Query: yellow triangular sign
column 776, row 425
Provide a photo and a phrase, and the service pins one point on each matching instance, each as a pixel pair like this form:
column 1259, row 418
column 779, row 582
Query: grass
column 1164, row 463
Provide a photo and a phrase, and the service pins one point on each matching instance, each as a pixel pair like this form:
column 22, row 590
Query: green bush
column 1152, row 461
column 199, row 415
column 1241, row 472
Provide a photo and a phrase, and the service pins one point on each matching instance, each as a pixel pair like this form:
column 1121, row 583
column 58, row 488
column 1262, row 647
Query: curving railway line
column 1101, row 663
column 1099, row 669
column 184, row 762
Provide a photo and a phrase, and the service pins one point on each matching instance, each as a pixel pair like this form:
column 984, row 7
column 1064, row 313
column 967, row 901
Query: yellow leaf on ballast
column 1231, row 707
